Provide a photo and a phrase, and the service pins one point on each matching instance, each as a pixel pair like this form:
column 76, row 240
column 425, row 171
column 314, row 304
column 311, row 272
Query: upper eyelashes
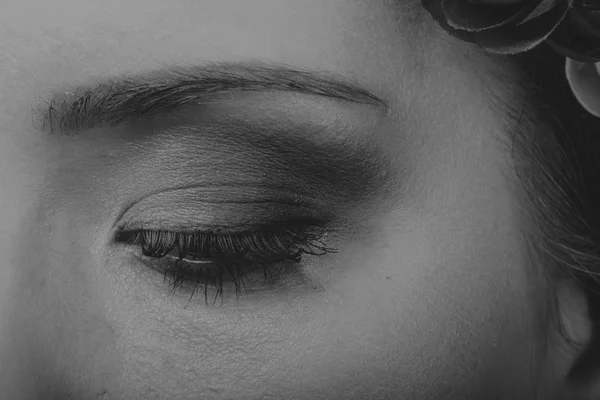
column 209, row 258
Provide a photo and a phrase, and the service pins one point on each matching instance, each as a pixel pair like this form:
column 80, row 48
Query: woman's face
column 428, row 295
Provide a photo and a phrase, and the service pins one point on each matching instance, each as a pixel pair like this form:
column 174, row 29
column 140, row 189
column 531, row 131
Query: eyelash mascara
column 208, row 258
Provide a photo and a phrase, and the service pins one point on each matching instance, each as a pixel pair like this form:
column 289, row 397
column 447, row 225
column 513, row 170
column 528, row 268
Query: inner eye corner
column 123, row 235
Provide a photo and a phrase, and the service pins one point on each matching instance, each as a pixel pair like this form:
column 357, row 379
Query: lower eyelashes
column 220, row 276
column 208, row 260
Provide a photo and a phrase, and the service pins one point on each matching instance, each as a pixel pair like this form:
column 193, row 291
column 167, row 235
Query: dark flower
column 571, row 27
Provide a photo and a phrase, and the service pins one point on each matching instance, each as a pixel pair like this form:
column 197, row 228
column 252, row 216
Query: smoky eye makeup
column 208, row 246
column 250, row 224
column 228, row 202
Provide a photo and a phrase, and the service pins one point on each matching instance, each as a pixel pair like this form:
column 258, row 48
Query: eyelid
column 223, row 207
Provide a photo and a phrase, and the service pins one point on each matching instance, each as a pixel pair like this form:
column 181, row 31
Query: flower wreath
column 570, row 27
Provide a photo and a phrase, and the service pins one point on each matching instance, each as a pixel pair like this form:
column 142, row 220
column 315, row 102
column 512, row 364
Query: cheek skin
column 62, row 343
column 444, row 286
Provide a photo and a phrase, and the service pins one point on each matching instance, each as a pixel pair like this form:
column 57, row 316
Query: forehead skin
column 428, row 300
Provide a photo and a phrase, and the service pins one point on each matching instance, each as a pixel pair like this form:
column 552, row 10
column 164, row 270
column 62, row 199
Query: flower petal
column 477, row 17
column 520, row 38
column 578, row 35
column 543, row 7
column 584, row 80
column 434, row 7
column 496, row 2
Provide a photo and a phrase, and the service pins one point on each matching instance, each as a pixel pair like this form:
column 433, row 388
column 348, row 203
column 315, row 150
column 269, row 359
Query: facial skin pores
column 144, row 213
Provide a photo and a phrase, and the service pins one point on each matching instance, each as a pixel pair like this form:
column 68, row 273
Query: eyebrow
column 131, row 98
